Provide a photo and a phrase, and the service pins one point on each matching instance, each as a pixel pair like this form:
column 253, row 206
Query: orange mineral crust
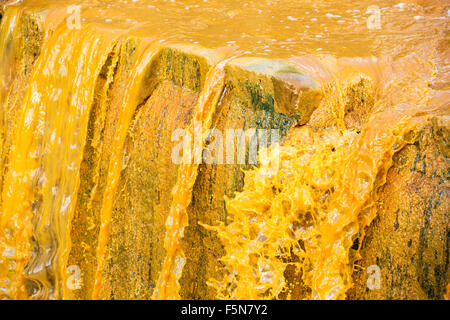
column 347, row 197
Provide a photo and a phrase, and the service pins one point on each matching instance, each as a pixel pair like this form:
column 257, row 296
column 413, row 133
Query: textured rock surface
column 409, row 240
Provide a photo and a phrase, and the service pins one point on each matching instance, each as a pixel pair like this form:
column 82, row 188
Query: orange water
column 321, row 192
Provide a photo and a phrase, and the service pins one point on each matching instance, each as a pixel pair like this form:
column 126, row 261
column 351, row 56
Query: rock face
column 409, row 239
column 87, row 162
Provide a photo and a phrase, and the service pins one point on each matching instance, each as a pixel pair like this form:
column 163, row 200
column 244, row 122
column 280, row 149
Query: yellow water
column 308, row 209
column 267, row 28
column 168, row 286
